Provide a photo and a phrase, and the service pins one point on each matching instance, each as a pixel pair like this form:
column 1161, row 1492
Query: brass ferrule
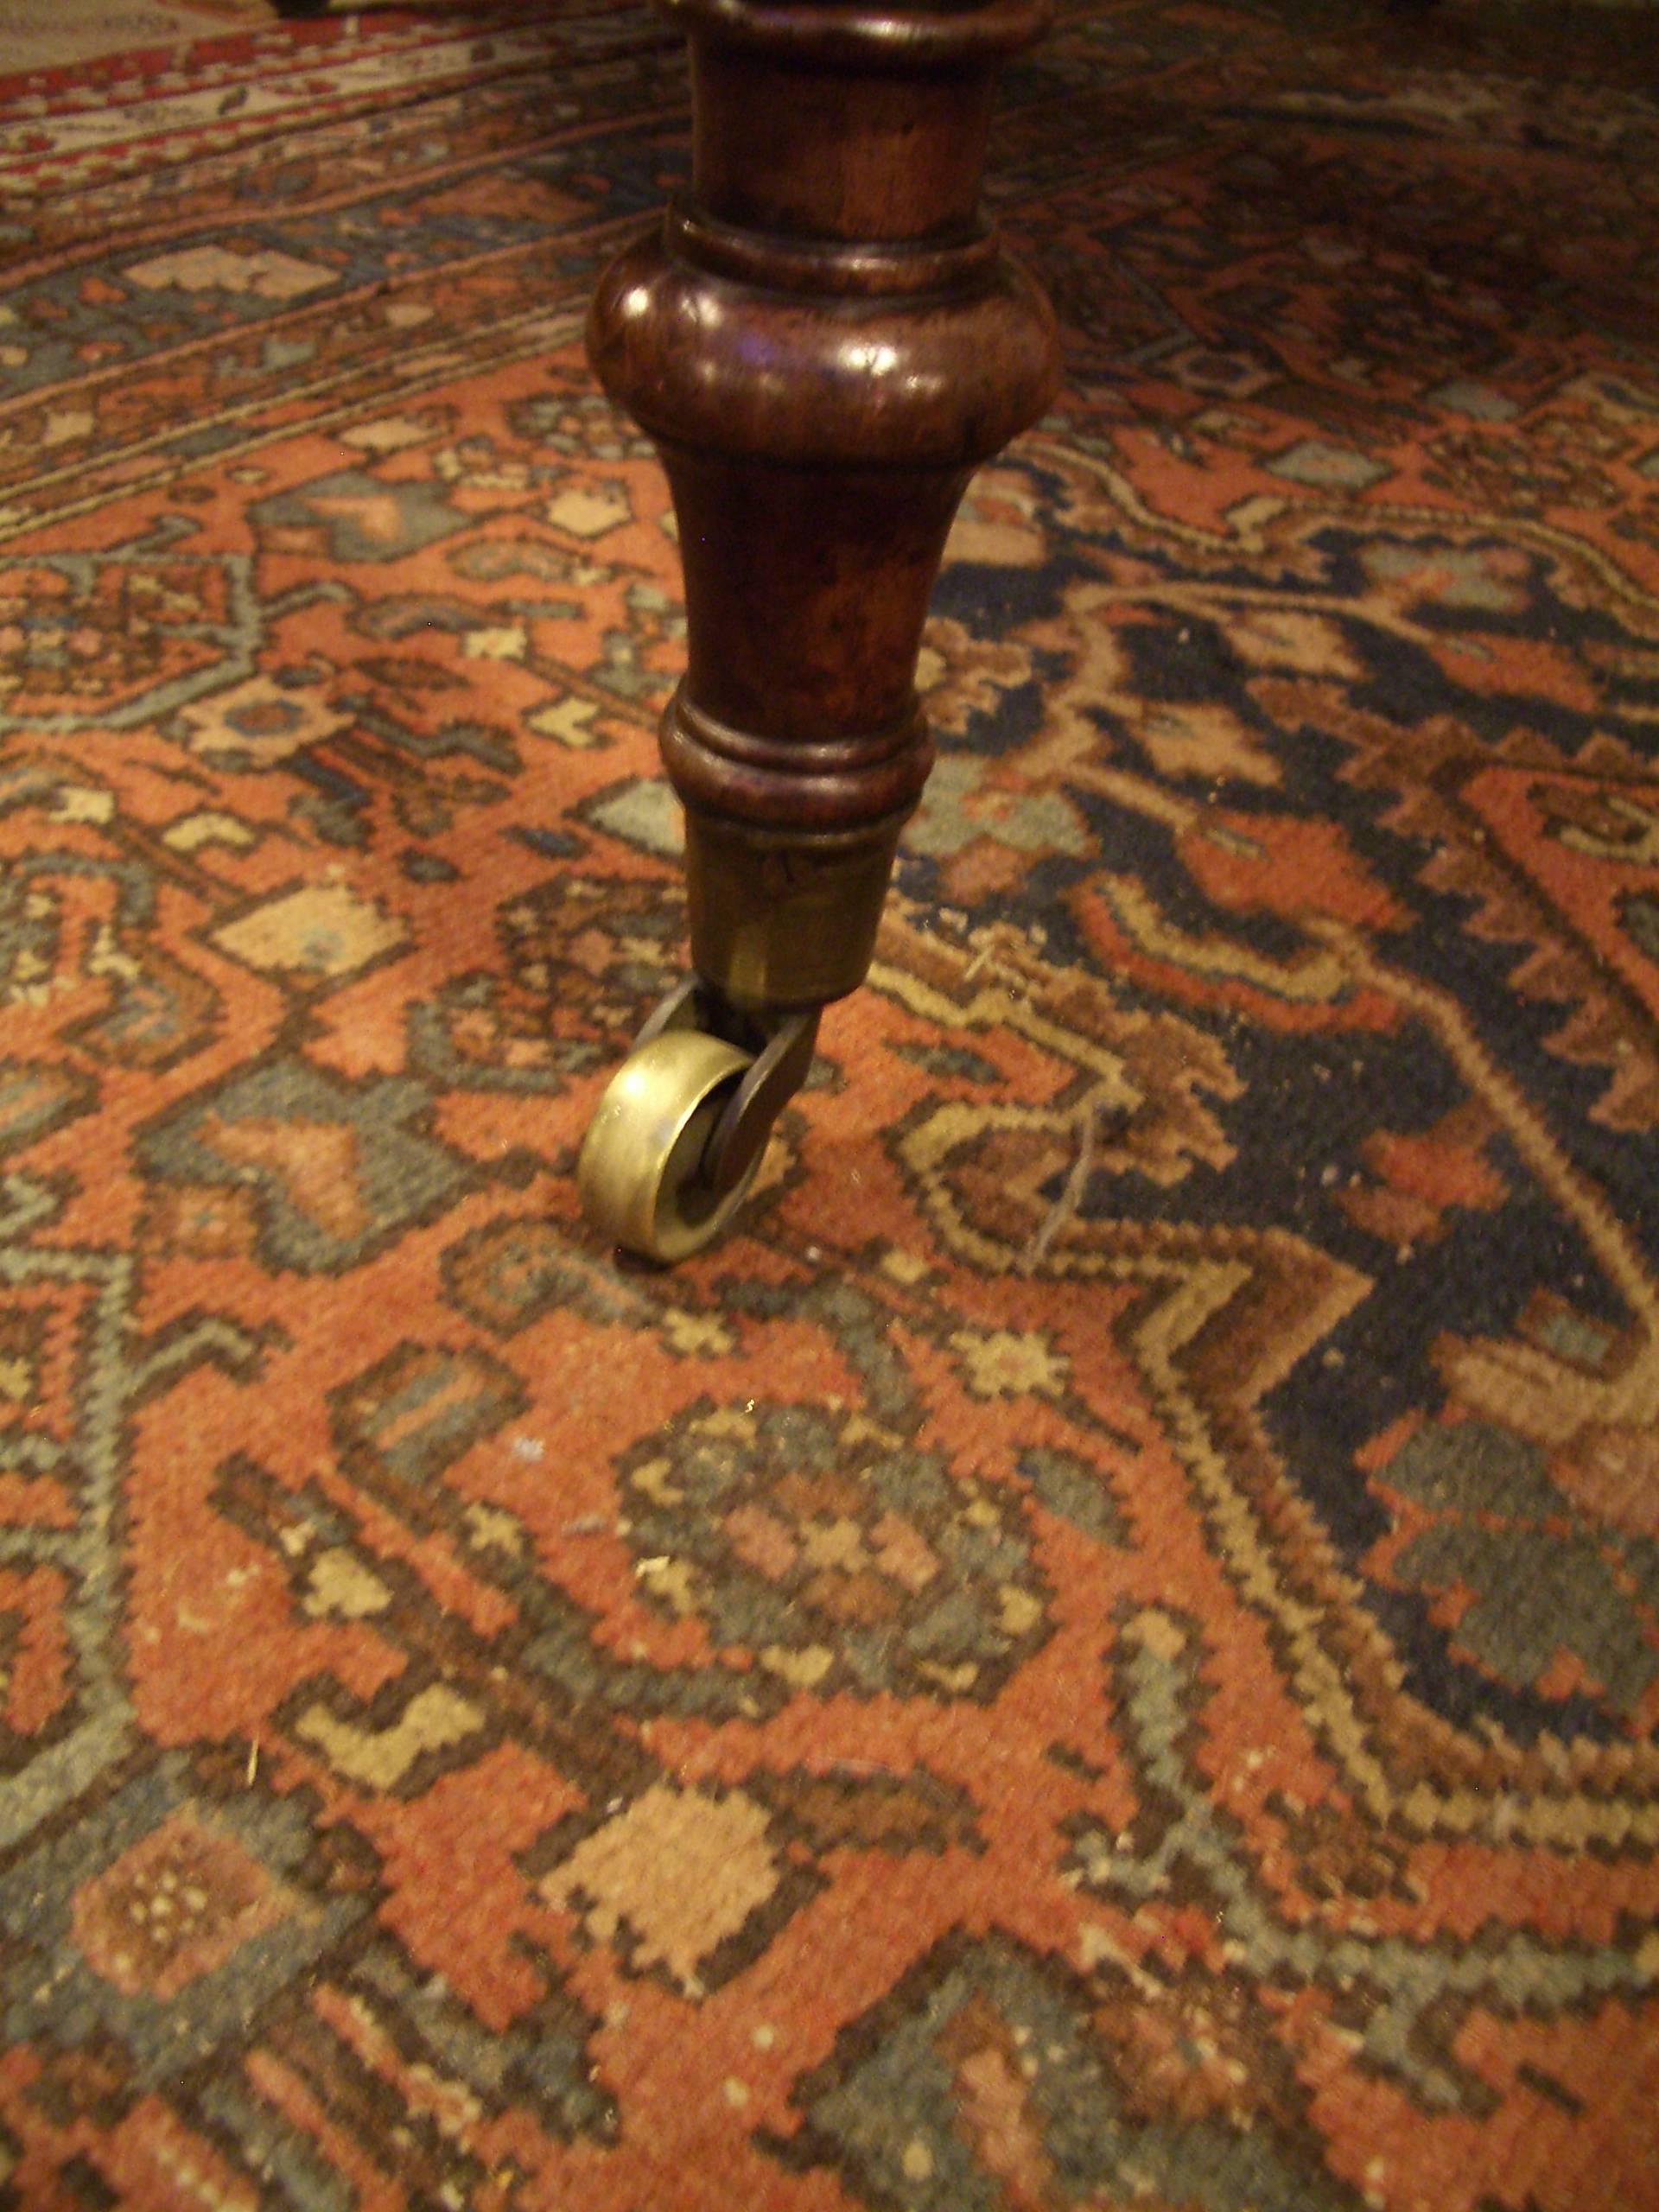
column 781, row 921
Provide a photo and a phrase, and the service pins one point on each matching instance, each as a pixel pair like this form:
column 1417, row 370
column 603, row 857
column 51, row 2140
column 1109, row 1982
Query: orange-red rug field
column 1102, row 1649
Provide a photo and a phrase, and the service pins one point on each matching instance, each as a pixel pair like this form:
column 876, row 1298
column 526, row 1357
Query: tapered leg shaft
column 823, row 340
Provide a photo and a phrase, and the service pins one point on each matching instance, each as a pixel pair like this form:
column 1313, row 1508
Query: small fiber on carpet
column 1102, row 1649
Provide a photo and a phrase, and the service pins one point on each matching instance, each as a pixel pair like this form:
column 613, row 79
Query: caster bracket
column 779, row 1070
column 782, row 1045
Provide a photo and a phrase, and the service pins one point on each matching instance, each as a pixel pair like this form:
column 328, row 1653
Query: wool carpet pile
column 1103, row 1649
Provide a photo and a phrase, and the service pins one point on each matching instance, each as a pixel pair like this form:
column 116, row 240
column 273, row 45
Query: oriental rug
column 1103, row 1649
column 45, row 34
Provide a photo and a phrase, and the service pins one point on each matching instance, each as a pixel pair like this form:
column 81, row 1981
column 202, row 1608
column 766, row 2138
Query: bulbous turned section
column 824, row 341
column 859, row 368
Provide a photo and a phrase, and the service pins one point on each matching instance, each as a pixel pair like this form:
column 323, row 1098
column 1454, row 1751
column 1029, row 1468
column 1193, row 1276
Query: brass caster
column 643, row 1174
column 672, row 1150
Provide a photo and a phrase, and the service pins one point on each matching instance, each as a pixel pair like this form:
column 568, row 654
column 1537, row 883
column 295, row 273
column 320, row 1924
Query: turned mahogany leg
column 823, row 340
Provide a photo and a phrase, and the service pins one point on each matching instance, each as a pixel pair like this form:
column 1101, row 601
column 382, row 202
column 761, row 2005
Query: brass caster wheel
column 644, row 1174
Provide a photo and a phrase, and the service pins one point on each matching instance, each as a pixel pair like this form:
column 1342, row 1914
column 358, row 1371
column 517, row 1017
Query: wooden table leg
column 823, row 340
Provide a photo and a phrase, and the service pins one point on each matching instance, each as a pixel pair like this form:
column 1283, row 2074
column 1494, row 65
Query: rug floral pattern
column 1103, row 1648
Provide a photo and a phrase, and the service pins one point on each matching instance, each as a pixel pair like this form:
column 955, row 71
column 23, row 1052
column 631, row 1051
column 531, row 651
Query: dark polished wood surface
column 824, row 341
